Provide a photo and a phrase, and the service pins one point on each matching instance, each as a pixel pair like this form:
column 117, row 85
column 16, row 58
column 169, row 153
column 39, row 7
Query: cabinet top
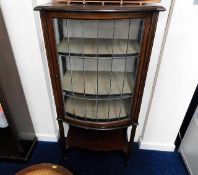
column 64, row 7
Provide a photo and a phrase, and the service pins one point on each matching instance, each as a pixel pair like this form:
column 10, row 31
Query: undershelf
column 97, row 140
column 102, row 47
column 107, row 110
column 87, row 82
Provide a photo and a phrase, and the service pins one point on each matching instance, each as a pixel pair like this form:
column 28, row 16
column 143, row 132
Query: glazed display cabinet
column 98, row 58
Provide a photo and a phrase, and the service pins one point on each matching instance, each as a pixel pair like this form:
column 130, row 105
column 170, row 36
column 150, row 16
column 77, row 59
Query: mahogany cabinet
column 98, row 58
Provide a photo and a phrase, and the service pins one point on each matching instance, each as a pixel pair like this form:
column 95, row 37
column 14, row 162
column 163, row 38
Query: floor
column 83, row 162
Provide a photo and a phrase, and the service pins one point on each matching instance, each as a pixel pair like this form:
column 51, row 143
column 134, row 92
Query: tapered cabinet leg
column 129, row 149
column 62, row 138
column 66, row 148
column 126, row 154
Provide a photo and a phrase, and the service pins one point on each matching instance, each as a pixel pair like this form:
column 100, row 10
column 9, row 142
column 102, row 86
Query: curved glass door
column 98, row 61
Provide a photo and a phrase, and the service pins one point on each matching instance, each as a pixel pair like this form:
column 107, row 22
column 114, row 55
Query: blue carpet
column 84, row 162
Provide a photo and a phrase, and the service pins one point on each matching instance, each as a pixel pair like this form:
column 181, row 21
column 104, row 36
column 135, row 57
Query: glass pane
column 98, row 61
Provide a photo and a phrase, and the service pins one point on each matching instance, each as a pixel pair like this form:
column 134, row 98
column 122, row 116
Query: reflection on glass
column 3, row 121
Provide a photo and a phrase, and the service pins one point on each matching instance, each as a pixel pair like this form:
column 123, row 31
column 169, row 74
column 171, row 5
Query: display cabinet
column 98, row 58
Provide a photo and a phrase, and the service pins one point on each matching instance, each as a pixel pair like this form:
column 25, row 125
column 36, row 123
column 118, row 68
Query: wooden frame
column 92, row 12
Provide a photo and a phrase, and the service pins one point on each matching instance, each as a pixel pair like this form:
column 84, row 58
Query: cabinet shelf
column 86, row 83
column 94, row 57
column 101, row 47
column 100, row 111
column 95, row 97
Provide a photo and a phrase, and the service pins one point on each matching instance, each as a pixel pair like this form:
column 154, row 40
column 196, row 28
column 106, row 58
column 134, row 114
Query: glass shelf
column 98, row 47
column 97, row 110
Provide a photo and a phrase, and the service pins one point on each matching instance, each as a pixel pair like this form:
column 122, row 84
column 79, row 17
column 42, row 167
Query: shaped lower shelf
column 87, row 82
column 100, row 47
column 98, row 110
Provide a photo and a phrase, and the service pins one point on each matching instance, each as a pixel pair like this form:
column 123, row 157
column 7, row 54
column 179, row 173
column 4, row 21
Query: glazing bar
column 97, row 69
column 112, row 58
column 125, row 60
column 82, row 47
column 70, row 65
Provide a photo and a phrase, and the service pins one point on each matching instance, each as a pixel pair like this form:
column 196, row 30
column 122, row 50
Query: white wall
column 28, row 46
column 177, row 78
column 20, row 22
column 153, row 65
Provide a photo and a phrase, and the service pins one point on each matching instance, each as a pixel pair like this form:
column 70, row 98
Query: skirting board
column 156, row 146
column 48, row 137
column 41, row 137
column 26, row 136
